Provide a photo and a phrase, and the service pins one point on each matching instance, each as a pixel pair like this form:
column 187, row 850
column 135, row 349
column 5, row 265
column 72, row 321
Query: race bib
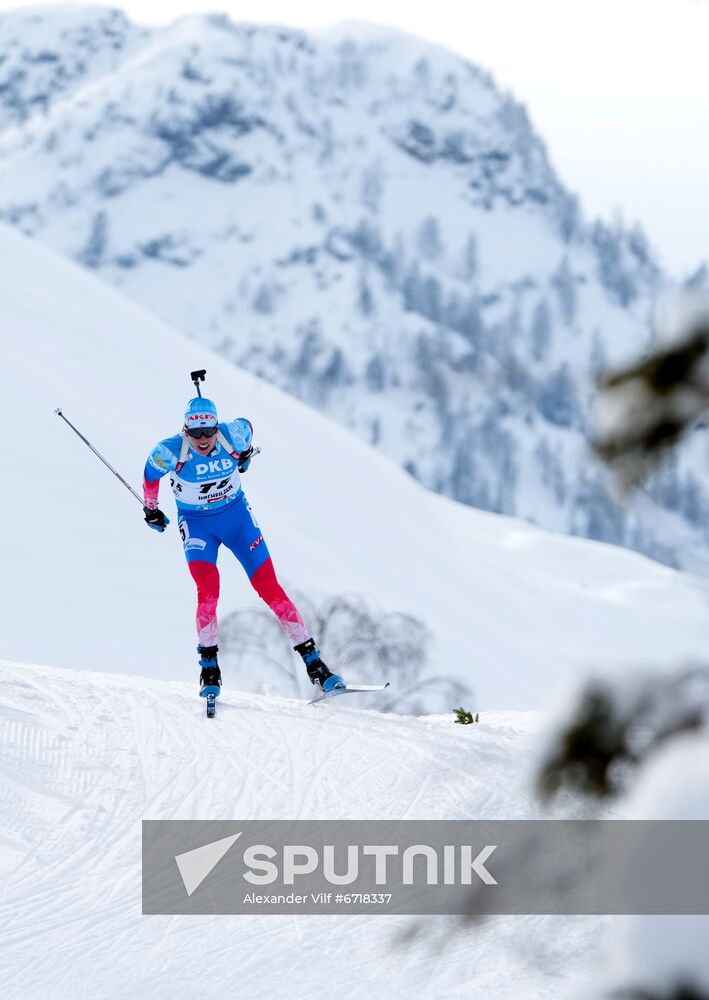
column 204, row 494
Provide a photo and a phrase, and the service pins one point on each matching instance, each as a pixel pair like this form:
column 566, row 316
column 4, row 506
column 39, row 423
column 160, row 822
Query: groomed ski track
column 87, row 756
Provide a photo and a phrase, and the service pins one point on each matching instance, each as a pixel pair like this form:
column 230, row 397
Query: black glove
column 245, row 458
column 155, row 518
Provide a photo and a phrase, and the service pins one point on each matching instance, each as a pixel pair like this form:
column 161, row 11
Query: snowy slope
column 362, row 218
column 513, row 610
column 76, row 785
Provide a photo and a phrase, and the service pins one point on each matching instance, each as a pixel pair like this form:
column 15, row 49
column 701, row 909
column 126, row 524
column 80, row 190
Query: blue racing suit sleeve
column 161, row 460
column 240, row 432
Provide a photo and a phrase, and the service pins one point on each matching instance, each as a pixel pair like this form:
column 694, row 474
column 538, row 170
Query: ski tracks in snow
column 86, row 757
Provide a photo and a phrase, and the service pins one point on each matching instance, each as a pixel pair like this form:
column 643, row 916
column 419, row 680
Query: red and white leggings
column 266, row 585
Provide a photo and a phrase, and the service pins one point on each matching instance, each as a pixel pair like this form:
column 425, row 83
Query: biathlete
column 205, row 462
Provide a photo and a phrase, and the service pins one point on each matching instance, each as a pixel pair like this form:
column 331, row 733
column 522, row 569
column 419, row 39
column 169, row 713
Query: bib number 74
column 206, row 488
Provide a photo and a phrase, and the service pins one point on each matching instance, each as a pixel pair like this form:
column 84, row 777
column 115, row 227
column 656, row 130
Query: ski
column 348, row 689
column 211, row 693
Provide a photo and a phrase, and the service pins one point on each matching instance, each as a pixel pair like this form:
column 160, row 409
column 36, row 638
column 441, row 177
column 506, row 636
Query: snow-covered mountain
column 360, row 217
column 513, row 611
column 48, row 55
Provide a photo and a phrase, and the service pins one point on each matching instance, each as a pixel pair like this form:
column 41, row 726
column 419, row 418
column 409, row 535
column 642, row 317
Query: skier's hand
column 155, row 518
column 245, row 459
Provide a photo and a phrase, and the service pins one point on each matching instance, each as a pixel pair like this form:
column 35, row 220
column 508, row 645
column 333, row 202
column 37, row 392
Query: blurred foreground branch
column 616, row 725
column 682, row 991
column 648, row 406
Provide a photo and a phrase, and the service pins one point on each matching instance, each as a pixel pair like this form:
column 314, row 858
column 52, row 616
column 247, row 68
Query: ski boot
column 210, row 679
column 318, row 672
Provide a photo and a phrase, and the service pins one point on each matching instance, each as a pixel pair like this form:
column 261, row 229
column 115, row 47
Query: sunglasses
column 201, row 432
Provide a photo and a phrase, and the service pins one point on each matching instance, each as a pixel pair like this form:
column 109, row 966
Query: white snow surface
column 514, row 610
column 86, row 757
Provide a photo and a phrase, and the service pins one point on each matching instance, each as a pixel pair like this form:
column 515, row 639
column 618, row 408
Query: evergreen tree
column 93, row 253
column 469, row 262
column 565, row 285
column 429, row 239
column 541, row 330
column 557, row 398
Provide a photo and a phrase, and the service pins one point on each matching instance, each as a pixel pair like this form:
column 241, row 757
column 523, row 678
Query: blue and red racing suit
column 212, row 511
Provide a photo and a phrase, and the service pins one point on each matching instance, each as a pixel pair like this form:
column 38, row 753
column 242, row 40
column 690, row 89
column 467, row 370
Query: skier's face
column 203, row 445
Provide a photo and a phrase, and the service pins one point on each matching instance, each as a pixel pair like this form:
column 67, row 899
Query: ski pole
column 59, row 413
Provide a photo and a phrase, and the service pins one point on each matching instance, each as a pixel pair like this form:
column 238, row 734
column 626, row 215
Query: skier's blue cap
column 201, row 412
